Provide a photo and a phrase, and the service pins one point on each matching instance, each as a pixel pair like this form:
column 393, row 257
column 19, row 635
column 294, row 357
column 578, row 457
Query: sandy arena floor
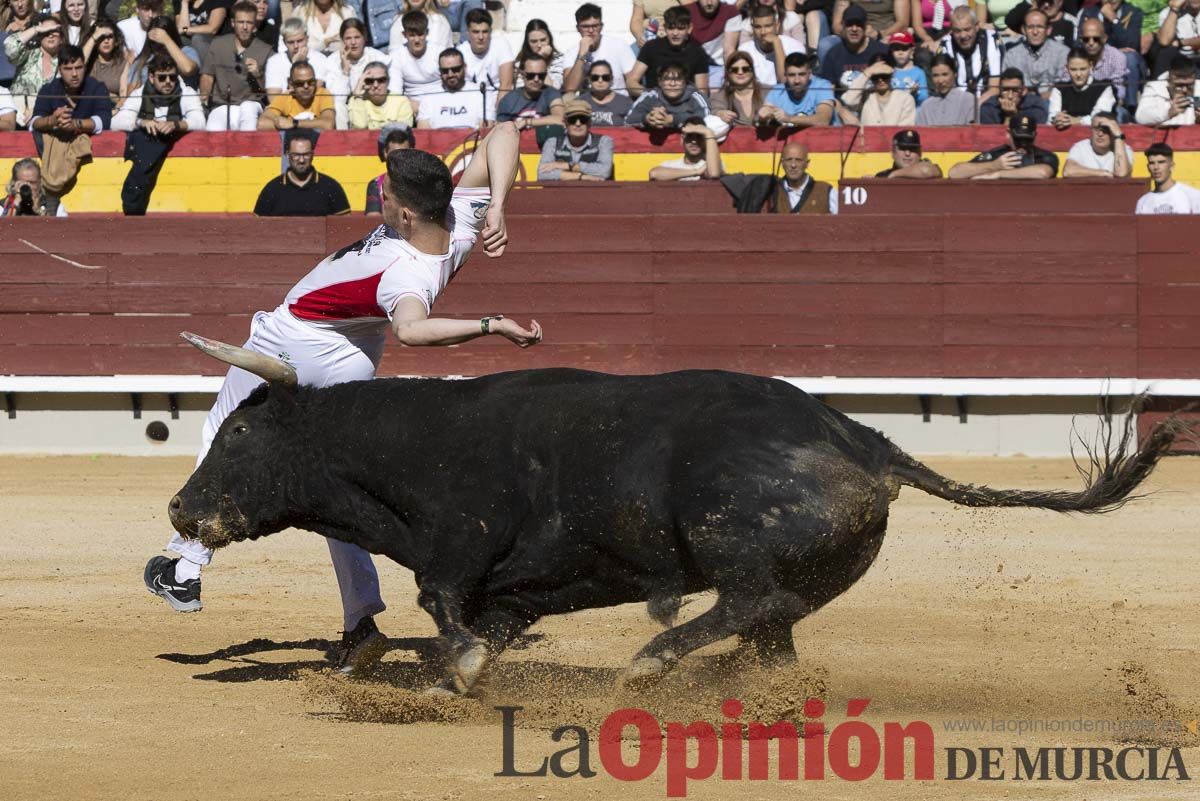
column 997, row 615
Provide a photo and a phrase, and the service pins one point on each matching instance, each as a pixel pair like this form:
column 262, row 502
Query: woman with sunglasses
column 872, row 91
column 34, row 54
column 105, row 54
column 162, row 38
column 540, row 42
column 739, row 99
column 609, row 108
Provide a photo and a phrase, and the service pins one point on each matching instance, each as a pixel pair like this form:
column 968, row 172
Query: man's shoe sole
column 366, row 654
column 176, row 604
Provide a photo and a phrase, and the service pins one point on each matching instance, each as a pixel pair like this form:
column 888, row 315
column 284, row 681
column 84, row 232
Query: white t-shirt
column 418, row 76
column 745, row 25
column 437, row 38
column 135, row 37
column 7, row 106
column 1187, row 26
column 764, row 63
column 485, row 69
column 1179, row 199
column 684, row 164
column 354, row 291
column 462, row 109
column 279, row 67
column 1082, row 154
column 612, row 50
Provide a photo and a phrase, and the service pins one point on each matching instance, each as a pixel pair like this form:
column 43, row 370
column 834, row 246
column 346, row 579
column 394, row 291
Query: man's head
column 395, row 136
column 533, row 70
column 354, row 38
column 854, row 27
column 261, row 9
column 794, row 161
column 577, row 118
column 589, row 19
column 1092, row 37
column 452, row 68
column 416, row 29
column 906, row 148
column 71, row 67
column 964, row 27
column 709, row 8
column 1079, row 67
column 147, row 10
column 26, row 172
column 1102, row 137
column 163, row 74
column 943, row 74
column 1012, row 85
column 299, row 148
column 1051, row 8
column 302, row 83
column 600, row 79
column 245, row 21
column 479, row 30
column 417, row 190
column 51, row 39
column 1160, row 159
column 797, row 73
column 375, row 82
column 901, row 46
column 1022, row 131
column 672, row 81
column 1181, row 76
column 693, row 141
column 678, row 23
column 1036, row 28
column 764, row 24
column 295, row 38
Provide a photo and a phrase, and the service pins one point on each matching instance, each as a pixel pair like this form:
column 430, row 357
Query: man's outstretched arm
column 413, row 327
column 494, row 165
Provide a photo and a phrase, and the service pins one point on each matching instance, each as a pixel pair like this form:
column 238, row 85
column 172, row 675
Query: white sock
column 186, row 571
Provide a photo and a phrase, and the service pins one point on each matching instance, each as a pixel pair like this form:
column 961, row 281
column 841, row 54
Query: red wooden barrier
column 914, row 295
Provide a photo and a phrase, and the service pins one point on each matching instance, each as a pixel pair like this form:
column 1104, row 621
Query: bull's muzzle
column 181, row 522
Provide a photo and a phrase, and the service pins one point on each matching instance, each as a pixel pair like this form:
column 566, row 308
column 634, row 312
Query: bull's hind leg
column 732, row 614
column 769, row 641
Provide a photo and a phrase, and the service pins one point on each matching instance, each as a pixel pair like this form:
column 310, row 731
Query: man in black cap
column 907, row 161
column 1020, row 158
column 846, row 59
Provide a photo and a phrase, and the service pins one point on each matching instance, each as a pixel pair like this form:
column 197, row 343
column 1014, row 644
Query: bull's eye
column 240, row 428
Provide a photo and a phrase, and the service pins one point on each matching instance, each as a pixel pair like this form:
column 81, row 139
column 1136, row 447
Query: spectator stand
column 223, row 172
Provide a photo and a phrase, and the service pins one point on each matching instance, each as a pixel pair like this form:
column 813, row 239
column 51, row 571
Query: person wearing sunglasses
column 670, row 105
column 154, row 116
column 577, row 155
column 105, row 54
column 609, row 108
column 1104, row 154
column 534, row 104
column 373, row 107
column 1014, row 98
column 455, row 106
column 305, row 106
column 1171, row 99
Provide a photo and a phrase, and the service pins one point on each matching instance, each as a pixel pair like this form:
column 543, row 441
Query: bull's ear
column 283, row 399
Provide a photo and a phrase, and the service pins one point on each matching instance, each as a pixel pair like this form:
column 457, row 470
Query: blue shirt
column 819, row 91
column 912, row 80
column 93, row 103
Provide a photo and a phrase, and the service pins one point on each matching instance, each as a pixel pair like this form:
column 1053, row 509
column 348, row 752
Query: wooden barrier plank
column 799, row 299
column 968, row 361
column 177, row 299
column 1168, row 268
column 1114, row 331
column 1169, row 331
column 833, row 234
column 38, row 268
column 1166, row 233
column 1013, row 235
column 1173, row 362
column 1179, row 300
column 558, row 268
column 466, row 300
column 150, row 236
column 1035, row 267
column 601, row 234
column 234, row 269
column 468, row 360
column 797, row 266
column 850, row 361
column 761, row 330
column 55, row 298
column 119, row 330
column 1050, row 299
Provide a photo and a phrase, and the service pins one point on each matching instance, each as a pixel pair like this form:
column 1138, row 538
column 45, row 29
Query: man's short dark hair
column 451, row 51
column 677, row 17
column 672, row 66
column 300, row 63
column 797, row 60
column 1182, row 67
column 1160, row 149
column 1078, row 52
column 1104, row 115
column 395, row 133
column 537, row 57
column 69, row 54
column 157, row 4
column 761, row 11
column 420, row 181
column 478, row 16
column 352, row 24
column 945, row 60
column 161, row 61
column 307, row 134
column 245, row 6
column 415, row 22
column 1012, row 74
column 600, row 61
column 588, row 11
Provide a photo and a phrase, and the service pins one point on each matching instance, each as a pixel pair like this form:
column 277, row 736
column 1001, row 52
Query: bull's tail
column 1110, row 475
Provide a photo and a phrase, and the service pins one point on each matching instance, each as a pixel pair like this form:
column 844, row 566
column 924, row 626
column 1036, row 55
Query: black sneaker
column 362, row 647
column 183, row 596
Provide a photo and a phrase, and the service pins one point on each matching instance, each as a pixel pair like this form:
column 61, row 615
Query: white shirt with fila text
column 354, row 292
column 462, row 109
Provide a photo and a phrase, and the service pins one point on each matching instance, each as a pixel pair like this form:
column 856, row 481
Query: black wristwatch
column 1119, row 136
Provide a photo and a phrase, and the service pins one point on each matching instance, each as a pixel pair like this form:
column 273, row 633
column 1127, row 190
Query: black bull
column 540, row 492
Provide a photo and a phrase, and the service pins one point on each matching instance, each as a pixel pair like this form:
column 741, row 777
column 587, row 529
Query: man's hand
column 587, row 43
column 1008, row 102
column 1009, row 161
column 251, row 66
column 1062, row 121
column 1180, row 104
column 698, row 128
column 158, row 36
column 283, row 123
column 495, row 232
column 727, row 116
column 658, row 117
column 1111, row 126
column 514, row 333
column 1176, row 5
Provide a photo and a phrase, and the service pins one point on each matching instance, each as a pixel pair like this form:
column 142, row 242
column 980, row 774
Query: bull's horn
column 266, row 367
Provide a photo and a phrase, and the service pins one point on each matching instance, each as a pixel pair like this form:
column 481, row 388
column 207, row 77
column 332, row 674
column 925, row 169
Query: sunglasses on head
column 535, row 76
column 449, row 70
column 600, row 76
column 374, row 81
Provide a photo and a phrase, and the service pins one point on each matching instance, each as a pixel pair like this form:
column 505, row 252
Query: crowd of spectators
column 697, row 67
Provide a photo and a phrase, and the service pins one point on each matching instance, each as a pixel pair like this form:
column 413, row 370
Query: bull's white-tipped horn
column 266, row 367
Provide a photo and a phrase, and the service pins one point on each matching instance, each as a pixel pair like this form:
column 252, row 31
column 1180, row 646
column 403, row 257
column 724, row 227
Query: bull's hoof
column 468, row 668
column 646, row 671
column 443, row 690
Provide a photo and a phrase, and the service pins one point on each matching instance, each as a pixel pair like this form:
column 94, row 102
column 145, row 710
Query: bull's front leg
column 465, row 654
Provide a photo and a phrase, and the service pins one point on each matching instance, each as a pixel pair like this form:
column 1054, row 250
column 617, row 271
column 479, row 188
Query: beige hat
column 577, row 108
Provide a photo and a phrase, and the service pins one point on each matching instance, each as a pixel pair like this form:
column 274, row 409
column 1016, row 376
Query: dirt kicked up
column 1004, row 629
